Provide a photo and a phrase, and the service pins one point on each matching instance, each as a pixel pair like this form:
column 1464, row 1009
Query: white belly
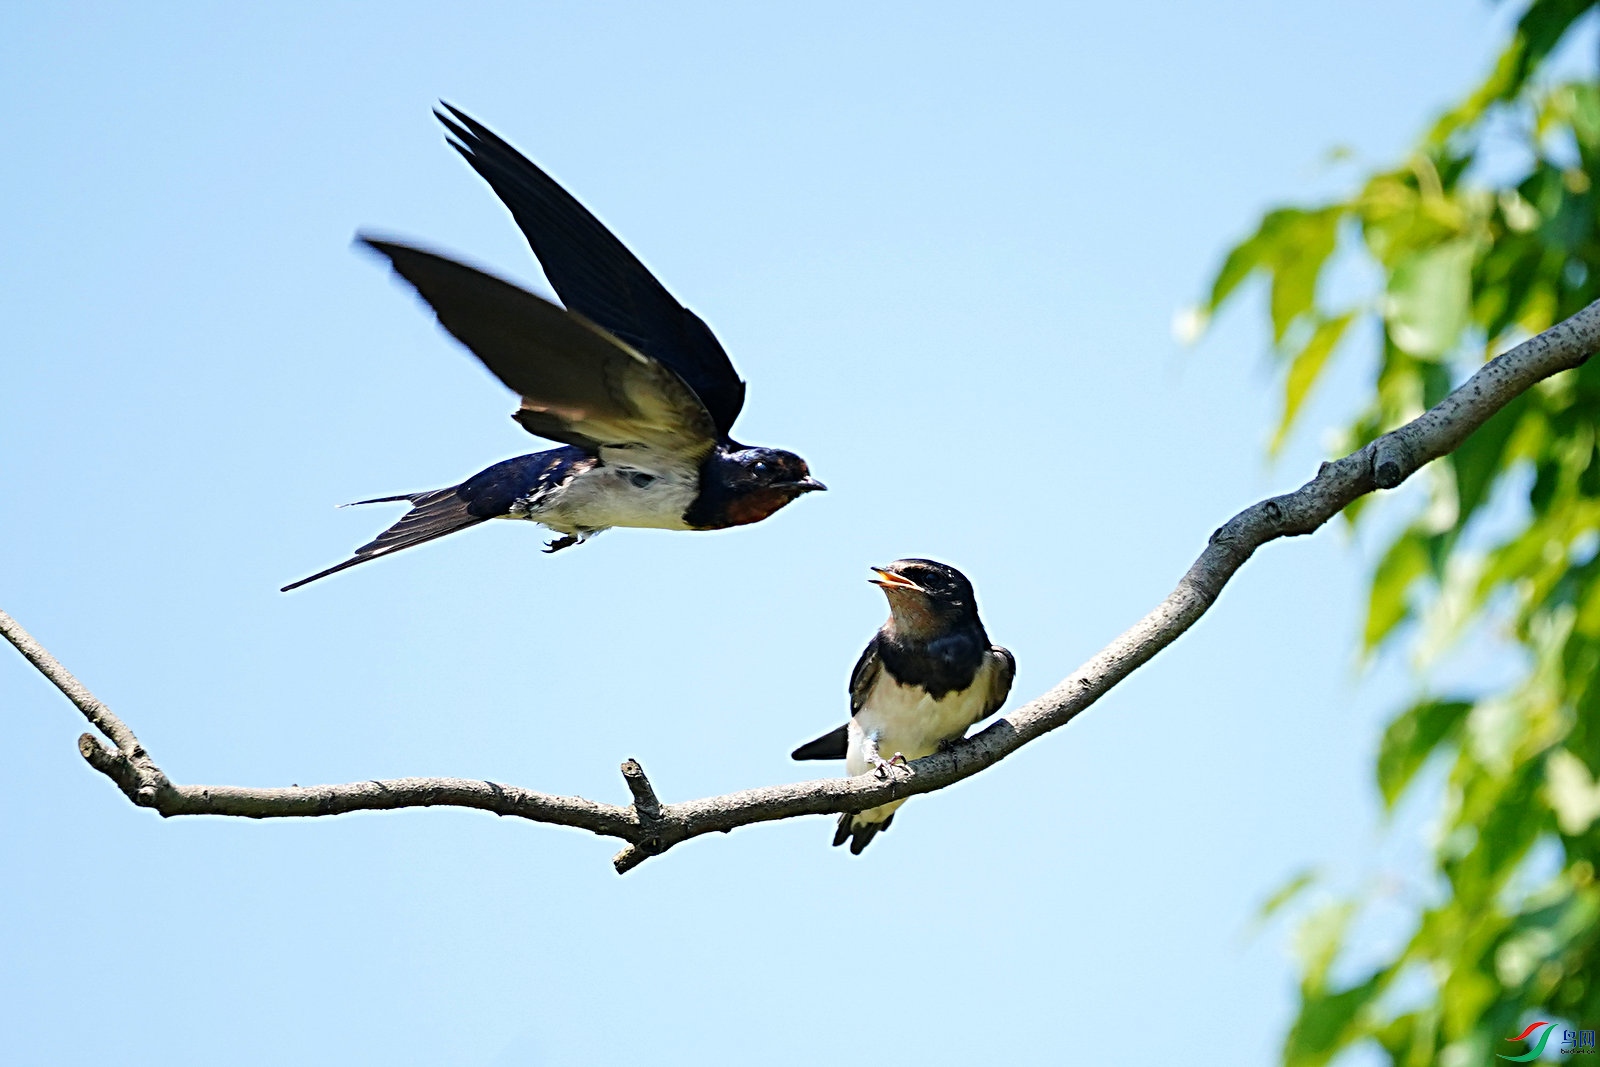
column 607, row 496
column 907, row 720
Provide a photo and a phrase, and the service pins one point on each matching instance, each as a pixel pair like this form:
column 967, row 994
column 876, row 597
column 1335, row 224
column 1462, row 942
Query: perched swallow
column 632, row 383
column 926, row 675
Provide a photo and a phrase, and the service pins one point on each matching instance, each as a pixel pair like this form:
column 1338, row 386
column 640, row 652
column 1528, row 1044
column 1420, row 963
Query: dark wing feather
column 865, row 675
column 579, row 384
column 433, row 514
column 595, row 274
column 1000, row 684
column 835, row 744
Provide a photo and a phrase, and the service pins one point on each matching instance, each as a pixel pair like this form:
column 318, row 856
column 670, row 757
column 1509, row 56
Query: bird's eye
column 760, row 466
column 640, row 479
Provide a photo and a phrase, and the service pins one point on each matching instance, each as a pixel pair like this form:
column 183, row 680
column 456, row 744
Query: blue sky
column 945, row 246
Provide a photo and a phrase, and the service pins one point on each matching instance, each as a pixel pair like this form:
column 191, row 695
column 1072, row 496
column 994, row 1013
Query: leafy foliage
column 1468, row 267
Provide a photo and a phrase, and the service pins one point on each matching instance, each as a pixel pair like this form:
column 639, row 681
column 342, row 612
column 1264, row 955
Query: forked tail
column 433, row 514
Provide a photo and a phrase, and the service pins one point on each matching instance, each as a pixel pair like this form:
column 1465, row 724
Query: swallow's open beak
column 891, row 580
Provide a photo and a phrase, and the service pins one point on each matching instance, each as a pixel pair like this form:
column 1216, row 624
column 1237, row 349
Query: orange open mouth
column 891, row 580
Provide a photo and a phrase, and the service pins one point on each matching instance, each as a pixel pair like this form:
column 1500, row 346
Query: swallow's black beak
column 804, row 485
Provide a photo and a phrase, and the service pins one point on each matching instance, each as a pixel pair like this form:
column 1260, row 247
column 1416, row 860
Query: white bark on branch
column 650, row 827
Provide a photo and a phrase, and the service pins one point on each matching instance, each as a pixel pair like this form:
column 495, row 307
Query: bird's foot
column 884, row 767
column 564, row 541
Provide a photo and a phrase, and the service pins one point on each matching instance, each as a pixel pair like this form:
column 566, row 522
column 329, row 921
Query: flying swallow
column 633, row 384
column 926, row 676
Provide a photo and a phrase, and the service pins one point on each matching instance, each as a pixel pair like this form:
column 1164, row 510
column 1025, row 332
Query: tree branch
column 650, row 827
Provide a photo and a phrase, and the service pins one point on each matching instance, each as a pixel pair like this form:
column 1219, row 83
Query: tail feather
column 489, row 494
column 859, row 836
column 433, row 514
column 411, row 497
column 834, row 744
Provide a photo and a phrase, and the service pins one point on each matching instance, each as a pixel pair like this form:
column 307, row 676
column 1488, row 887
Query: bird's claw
column 564, row 541
column 884, row 767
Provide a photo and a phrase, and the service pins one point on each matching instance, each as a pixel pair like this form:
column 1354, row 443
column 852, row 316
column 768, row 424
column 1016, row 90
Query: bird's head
column 925, row 596
column 740, row 485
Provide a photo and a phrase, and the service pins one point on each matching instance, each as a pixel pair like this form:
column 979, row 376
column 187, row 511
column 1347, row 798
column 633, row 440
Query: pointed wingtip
column 461, row 124
column 454, row 122
column 376, row 245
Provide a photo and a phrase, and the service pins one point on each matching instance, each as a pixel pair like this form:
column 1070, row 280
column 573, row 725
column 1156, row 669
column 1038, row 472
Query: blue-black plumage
column 632, row 383
column 927, row 675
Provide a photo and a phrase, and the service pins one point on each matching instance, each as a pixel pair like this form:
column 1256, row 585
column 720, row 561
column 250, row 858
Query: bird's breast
column 907, row 719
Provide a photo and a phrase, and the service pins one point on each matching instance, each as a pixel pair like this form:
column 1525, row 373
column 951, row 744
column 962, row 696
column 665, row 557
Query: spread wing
column 595, row 274
column 1000, row 683
column 579, row 384
column 835, row 743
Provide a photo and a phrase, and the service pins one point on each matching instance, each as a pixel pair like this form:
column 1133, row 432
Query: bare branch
column 98, row 714
column 651, row 827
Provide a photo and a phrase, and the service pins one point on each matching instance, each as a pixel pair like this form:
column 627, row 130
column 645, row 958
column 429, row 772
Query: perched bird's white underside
column 905, row 719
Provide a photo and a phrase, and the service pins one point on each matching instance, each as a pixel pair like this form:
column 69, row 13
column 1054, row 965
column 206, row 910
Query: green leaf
column 1429, row 300
column 1411, row 738
column 1586, row 115
column 1517, row 557
column 1304, row 245
column 1304, row 369
column 1241, row 261
column 1507, row 278
column 1539, row 31
column 1469, row 254
column 1481, row 457
column 1404, row 563
column 1291, row 244
column 1286, row 892
column 1317, row 941
column 1466, row 994
column 1584, row 740
column 1325, row 1021
column 1409, row 1039
column 1505, row 815
column 1436, row 383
